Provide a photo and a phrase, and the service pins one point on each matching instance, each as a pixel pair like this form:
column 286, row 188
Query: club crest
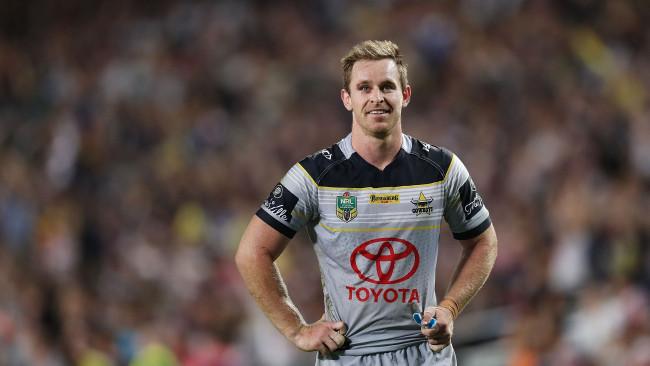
column 422, row 205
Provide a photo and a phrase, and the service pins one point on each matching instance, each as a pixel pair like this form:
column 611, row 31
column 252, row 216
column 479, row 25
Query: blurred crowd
column 138, row 138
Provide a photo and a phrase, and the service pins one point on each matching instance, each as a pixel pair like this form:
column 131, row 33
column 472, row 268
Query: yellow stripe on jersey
column 451, row 163
column 325, row 188
column 375, row 229
column 307, row 174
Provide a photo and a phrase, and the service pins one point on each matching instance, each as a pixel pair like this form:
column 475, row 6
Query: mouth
column 378, row 112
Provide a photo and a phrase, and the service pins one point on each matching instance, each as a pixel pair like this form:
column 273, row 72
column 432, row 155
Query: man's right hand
column 322, row 336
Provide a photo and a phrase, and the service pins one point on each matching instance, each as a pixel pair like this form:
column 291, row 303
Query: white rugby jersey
column 376, row 232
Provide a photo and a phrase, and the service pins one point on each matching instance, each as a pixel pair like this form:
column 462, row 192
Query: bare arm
column 260, row 246
column 476, row 262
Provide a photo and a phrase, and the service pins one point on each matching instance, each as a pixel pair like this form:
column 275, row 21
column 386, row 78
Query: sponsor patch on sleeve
column 281, row 202
column 470, row 199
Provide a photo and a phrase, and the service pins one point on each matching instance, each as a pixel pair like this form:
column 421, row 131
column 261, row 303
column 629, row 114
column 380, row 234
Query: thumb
column 338, row 326
column 428, row 314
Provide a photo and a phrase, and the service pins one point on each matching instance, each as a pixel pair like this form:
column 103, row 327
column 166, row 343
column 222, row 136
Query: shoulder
column 439, row 157
column 318, row 163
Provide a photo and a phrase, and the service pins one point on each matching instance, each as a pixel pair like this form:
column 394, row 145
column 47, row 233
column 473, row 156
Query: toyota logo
column 385, row 260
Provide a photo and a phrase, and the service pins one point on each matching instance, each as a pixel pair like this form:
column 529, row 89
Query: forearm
column 264, row 282
column 473, row 269
column 260, row 246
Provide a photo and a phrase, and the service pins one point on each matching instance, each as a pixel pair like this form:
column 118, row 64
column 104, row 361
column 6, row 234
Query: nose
column 377, row 96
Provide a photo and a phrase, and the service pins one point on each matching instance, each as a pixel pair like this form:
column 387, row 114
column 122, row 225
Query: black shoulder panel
column 319, row 162
column 434, row 155
column 423, row 165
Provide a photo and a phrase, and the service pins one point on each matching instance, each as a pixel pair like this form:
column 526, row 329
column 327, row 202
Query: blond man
column 372, row 205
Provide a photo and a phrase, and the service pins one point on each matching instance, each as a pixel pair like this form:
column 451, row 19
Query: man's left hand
column 439, row 336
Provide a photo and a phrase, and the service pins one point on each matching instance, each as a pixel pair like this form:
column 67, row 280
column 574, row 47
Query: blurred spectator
column 137, row 138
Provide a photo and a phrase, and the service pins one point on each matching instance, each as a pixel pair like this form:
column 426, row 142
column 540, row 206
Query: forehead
column 374, row 70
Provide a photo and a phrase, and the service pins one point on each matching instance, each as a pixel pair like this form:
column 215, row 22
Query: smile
column 379, row 111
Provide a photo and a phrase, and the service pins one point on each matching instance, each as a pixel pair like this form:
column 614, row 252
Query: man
column 372, row 204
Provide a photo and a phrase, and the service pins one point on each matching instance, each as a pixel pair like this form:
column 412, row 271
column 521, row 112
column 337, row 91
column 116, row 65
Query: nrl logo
column 422, row 205
column 346, row 207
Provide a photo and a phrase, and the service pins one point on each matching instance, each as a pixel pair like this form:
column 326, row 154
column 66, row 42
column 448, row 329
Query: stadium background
column 137, row 139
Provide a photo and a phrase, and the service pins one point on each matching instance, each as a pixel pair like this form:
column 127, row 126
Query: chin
column 381, row 131
column 378, row 128
column 380, row 134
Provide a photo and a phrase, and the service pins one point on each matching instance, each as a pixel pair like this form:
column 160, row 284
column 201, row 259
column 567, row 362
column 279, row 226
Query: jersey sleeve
column 292, row 202
column 465, row 211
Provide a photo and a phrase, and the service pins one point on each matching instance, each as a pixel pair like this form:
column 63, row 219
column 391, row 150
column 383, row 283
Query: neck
column 377, row 151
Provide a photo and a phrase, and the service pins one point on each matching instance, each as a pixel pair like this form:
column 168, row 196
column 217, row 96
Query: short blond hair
column 373, row 50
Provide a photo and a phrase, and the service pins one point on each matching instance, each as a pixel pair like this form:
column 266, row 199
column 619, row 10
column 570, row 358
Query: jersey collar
column 346, row 145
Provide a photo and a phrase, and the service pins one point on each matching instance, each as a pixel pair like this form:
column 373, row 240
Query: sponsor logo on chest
column 383, row 198
column 384, row 261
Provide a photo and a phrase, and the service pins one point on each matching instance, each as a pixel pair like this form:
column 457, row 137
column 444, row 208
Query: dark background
column 137, row 139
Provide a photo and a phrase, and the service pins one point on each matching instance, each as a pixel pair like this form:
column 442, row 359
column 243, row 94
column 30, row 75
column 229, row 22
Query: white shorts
column 414, row 355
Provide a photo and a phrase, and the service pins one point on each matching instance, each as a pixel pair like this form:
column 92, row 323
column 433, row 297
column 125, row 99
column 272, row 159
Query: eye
column 387, row 87
column 364, row 88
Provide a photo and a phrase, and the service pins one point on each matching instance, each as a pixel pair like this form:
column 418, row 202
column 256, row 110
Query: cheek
column 394, row 102
column 358, row 104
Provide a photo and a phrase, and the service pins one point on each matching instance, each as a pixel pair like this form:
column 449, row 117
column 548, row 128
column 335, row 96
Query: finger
column 439, row 340
column 323, row 351
column 435, row 331
column 338, row 339
column 428, row 314
column 330, row 344
column 429, row 320
column 337, row 326
column 438, row 347
column 431, row 326
column 439, row 327
column 438, row 334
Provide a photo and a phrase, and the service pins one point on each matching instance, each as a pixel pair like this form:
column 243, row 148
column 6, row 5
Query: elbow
column 488, row 246
column 241, row 257
column 249, row 256
column 491, row 242
column 494, row 249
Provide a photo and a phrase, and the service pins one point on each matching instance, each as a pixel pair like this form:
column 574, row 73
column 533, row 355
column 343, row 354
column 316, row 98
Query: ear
column 347, row 101
column 406, row 95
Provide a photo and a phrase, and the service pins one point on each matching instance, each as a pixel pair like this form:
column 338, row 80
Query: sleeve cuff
column 475, row 231
column 274, row 223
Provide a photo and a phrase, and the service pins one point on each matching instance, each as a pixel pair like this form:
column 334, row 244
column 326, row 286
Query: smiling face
column 376, row 97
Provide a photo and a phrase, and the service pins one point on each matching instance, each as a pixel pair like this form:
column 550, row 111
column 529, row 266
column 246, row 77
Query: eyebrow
column 383, row 82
